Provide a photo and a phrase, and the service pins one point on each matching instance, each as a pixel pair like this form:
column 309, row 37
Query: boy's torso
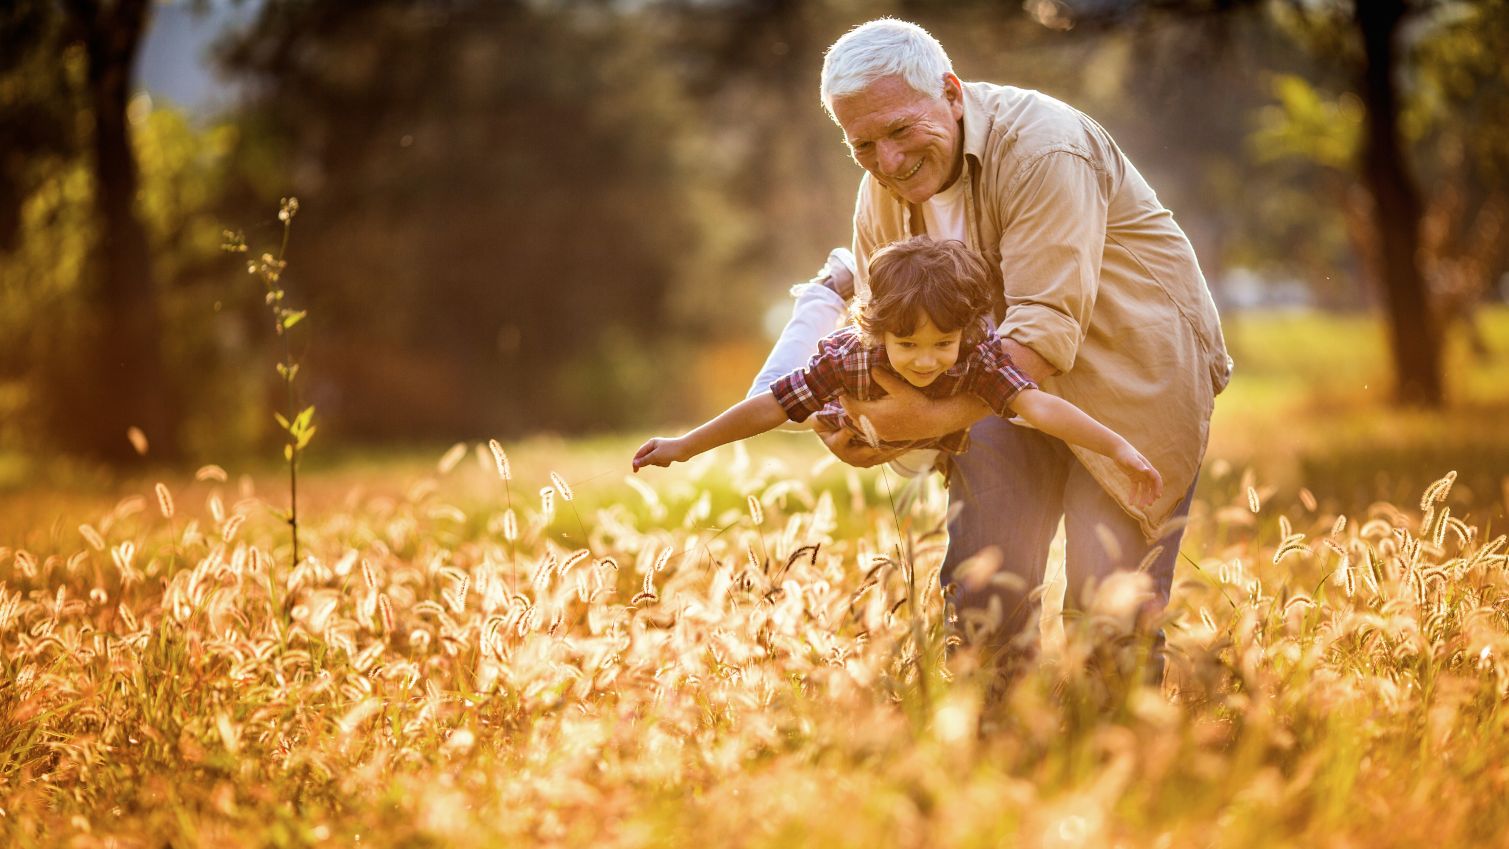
column 859, row 385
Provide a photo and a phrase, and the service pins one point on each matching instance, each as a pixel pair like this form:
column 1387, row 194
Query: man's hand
column 855, row 452
column 906, row 414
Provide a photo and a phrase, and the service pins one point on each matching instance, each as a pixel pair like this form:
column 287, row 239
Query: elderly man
column 1102, row 303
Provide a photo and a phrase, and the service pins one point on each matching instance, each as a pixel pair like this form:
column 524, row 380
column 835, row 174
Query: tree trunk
column 126, row 380
column 1413, row 332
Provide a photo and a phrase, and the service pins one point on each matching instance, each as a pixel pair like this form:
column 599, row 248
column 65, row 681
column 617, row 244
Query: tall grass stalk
column 297, row 424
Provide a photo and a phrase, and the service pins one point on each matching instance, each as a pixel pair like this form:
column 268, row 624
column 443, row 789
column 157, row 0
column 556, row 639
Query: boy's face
column 923, row 354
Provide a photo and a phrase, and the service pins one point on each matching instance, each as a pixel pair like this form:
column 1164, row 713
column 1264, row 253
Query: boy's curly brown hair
column 944, row 279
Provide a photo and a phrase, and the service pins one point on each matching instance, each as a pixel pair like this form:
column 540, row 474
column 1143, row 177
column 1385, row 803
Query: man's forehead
column 879, row 107
column 878, row 123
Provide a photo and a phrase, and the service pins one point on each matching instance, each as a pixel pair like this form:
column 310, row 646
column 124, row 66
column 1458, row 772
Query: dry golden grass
column 709, row 661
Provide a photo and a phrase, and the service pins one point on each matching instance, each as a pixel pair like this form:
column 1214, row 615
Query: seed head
column 164, row 500
column 93, row 537
column 866, row 427
column 451, row 457
column 575, row 558
column 386, row 608
column 500, row 459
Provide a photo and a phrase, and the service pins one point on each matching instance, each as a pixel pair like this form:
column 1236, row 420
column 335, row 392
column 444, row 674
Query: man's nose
column 890, row 157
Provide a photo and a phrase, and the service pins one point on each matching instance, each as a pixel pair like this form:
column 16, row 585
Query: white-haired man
column 1102, row 302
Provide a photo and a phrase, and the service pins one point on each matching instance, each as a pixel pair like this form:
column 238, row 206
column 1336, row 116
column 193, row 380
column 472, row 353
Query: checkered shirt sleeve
column 841, row 365
column 993, row 377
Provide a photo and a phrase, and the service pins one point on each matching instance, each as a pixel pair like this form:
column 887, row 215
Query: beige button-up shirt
column 1098, row 279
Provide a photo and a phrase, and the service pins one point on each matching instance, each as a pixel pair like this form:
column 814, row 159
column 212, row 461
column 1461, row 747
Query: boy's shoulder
column 846, row 339
column 987, row 349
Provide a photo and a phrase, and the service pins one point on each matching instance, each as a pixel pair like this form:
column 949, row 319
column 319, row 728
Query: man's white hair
column 882, row 48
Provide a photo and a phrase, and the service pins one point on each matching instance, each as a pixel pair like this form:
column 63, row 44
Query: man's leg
column 1102, row 539
column 1007, row 490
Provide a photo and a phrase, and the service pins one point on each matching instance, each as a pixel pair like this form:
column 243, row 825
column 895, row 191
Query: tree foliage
column 523, row 215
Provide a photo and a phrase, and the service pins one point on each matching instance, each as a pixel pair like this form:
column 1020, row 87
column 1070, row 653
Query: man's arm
column 819, row 308
column 905, row 413
column 1028, row 361
column 1051, row 249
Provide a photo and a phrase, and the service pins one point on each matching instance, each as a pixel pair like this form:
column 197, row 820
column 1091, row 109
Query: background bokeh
column 520, row 217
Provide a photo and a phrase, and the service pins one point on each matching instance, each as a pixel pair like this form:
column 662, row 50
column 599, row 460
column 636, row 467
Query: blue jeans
column 1009, row 490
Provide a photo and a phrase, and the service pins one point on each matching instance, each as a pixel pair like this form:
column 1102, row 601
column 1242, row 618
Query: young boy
column 927, row 321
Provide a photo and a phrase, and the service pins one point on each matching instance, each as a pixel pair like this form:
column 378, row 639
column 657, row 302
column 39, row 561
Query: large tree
column 105, row 372
column 1424, row 267
column 1413, row 330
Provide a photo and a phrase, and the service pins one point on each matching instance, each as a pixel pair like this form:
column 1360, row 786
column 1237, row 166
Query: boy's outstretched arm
column 750, row 417
column 1056, row 417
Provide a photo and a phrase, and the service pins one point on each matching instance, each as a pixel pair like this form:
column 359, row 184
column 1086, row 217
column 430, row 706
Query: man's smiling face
column 907, row 140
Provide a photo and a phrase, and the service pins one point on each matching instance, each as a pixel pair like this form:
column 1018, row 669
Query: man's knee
column 1102, row 539
column 988, row 602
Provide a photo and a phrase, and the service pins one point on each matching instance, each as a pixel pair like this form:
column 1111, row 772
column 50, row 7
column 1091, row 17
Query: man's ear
column 953, row 92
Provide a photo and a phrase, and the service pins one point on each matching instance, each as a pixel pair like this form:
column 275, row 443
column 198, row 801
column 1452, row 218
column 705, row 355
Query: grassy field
column 748, row 651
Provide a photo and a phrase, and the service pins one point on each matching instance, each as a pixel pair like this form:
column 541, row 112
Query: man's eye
column 901, row 131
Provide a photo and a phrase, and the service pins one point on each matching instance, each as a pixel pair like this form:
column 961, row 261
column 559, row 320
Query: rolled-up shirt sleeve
column 996, row 380
column 1051, row 247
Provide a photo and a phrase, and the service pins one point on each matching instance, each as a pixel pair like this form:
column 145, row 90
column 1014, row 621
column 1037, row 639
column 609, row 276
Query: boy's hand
column 659, row 451
column 1147, row 484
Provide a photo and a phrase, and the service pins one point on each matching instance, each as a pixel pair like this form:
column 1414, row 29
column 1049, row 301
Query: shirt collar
column 976, row 124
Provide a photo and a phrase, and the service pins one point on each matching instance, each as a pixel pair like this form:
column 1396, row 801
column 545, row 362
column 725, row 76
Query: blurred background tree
column 68, row 71
column 521, row 216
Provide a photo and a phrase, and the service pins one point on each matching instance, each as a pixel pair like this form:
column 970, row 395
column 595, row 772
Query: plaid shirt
column 842, row 366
